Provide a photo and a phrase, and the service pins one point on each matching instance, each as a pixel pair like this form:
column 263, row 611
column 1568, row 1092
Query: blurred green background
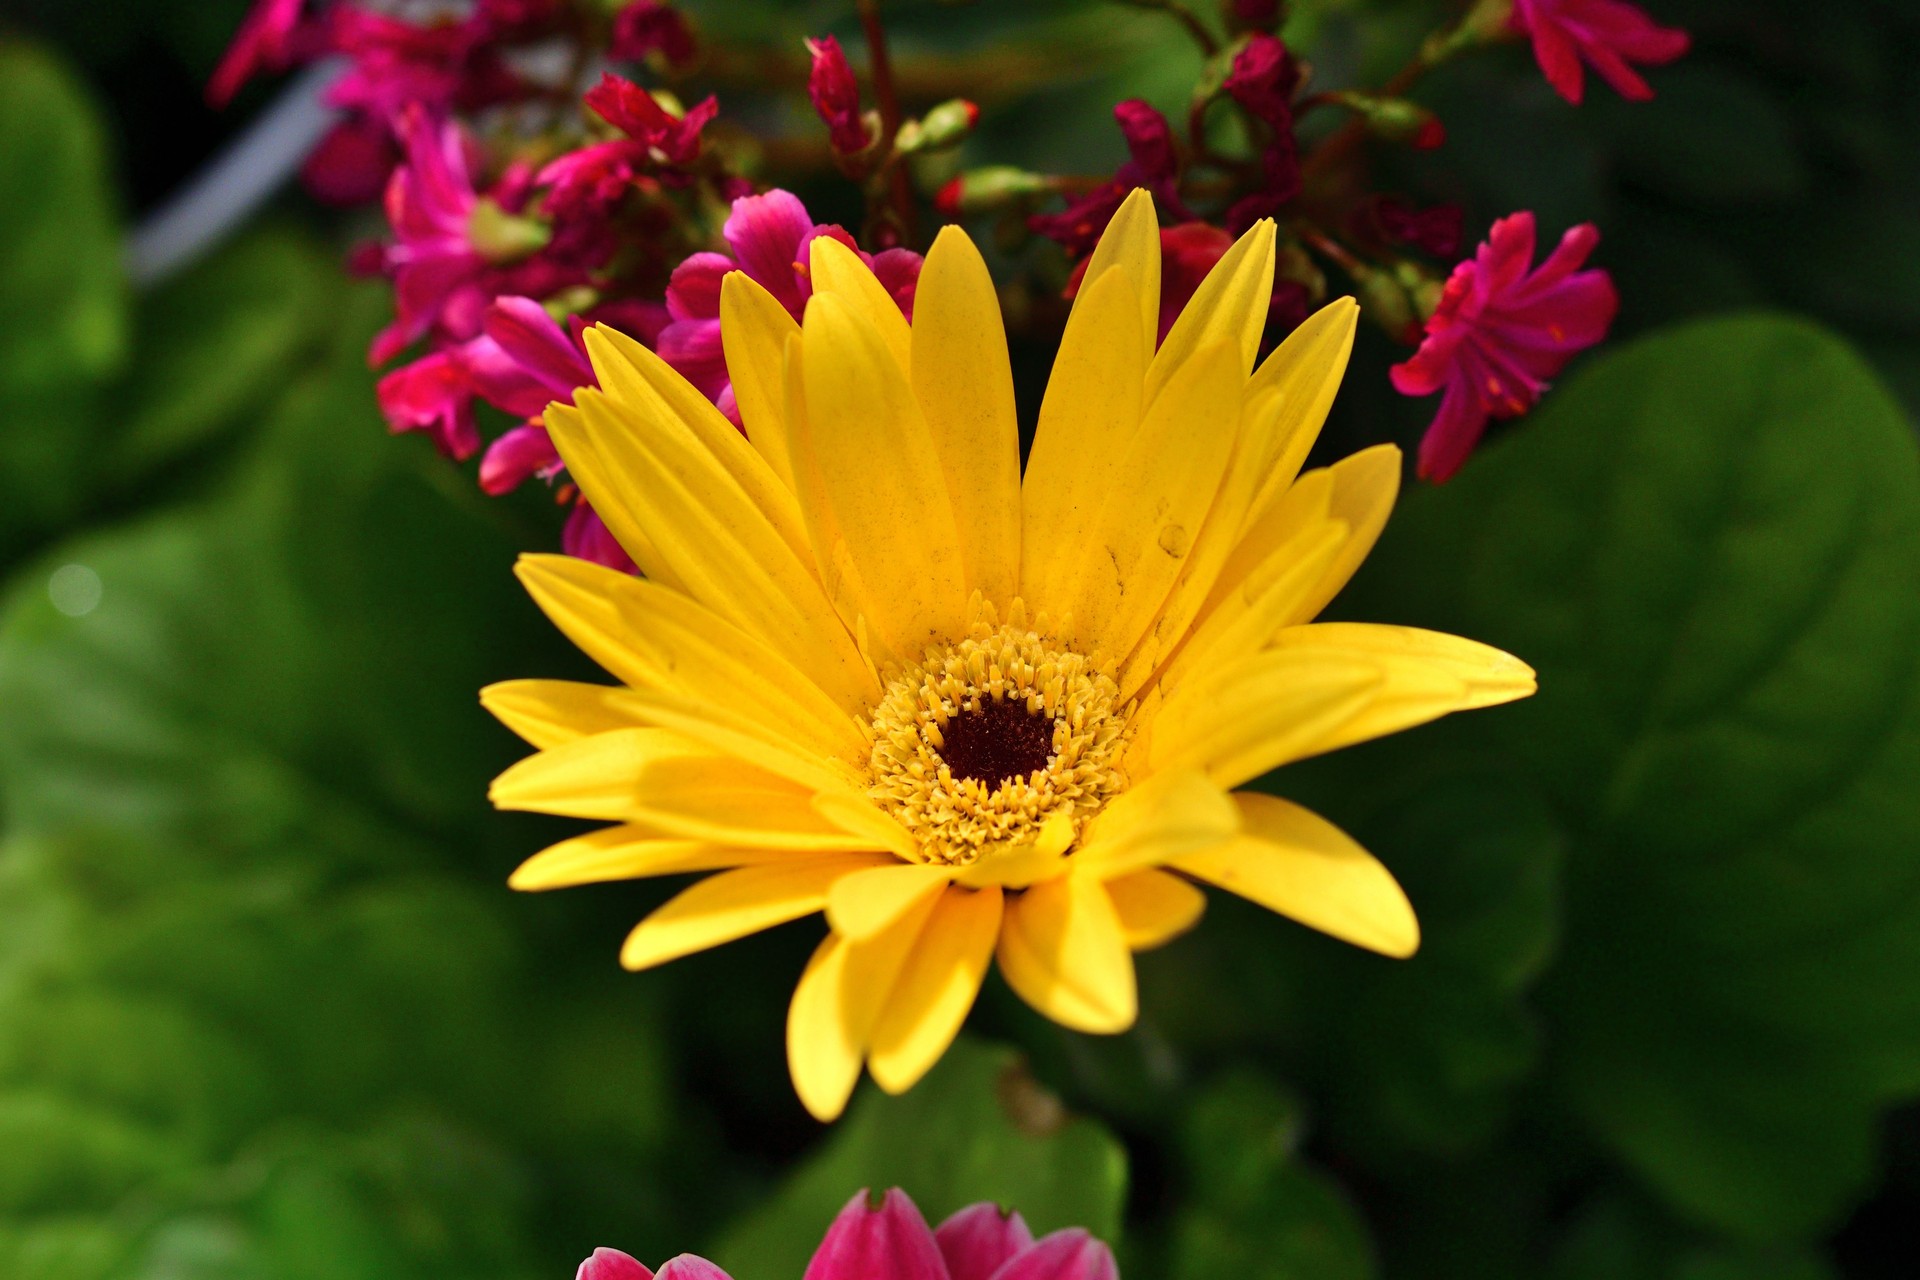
column 267, row 1011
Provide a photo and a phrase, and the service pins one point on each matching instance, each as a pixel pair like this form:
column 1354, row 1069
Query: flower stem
column 896, row 206
column 1186, row 18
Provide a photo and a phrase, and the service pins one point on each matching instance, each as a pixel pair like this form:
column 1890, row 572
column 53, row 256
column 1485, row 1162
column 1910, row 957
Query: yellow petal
column 1230, row 307
column 1154, row 907
column 835, row 1008
column 628, row 853
column 591, row 777
column 964, row 384
column 1296, row 386
column 1358, row 489
column 1427, row 674
column 1155, row 505
column 1241, row 624
column 1259, row 713
column 549, row 712
column 1297, row 863
column 651, row 475
column 1131, row 246
column 655, row 638
column 823, row 1056
column 734, row 904
column 875, row 457
column 1089, row 415
column 649, row 388
column 861, row 905
column 837, row 271
column 936, row 987
column 1063, row 951
column 754, row 329
column 703, row 795
column 1154, row 822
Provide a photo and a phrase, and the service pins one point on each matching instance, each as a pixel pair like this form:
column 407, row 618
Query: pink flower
column 889, row 1240
column 836, row 96
column 1264, row 79
column 587, row 183
column 647, row 26
column 430, row 203
column 769, row 237
column 1500, row 331
column 400, row 65
column 1152, row 162
column 271, row 38
column 433, row 394
column 1609, row 34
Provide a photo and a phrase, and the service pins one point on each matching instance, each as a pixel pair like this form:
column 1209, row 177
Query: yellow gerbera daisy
column 872, row 669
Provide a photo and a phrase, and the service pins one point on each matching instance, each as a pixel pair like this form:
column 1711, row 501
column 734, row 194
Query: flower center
column 997, row 742
column 977, row 745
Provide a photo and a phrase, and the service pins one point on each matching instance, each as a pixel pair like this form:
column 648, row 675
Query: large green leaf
column 1254, row 1209
column 977, row 1128
column 63, row 327
column 266, row 1009
column 1709, row 545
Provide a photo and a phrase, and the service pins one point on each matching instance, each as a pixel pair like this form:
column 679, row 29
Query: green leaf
column 977, row 1128
column 63, row 327
column 1254, row 1210
column 1709, row 545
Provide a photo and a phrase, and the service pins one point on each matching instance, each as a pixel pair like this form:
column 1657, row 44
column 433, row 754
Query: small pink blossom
column 430, row 203
column 433, row 394
column 587, row 183
column 836, row 96
column 1608, row 34
column 1500, row 331
column 768, row 236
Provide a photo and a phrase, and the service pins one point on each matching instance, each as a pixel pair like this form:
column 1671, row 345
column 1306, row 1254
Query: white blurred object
column 239, row 180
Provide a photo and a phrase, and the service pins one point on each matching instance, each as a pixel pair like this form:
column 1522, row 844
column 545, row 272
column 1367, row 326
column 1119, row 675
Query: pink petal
column 586, row 537
column 433, row 394
column 765, row 233
column 688, row 1267
column 867, row 1243
column 898, row 271
column 693, row 291
column 525, row 451
column 535, row 339
column 1065, row 1255
column 1455, row 430
column 979, row 1239
column 694, row 348
column 611, row 1264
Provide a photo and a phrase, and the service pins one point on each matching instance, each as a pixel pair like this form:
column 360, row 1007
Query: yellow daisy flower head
column 972, row 715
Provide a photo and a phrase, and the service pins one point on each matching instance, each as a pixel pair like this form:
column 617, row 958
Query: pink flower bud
column 980, row 1239
column 611, row 1264
column 866, row 1241
column 836, row 96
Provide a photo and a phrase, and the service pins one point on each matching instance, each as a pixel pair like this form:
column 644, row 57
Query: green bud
column 943, row 126
column 1384, row 301
column 500, row 236
column 1395, row 119
column 990, row 188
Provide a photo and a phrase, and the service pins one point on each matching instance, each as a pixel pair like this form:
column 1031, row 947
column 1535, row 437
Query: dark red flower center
column 996, row 741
